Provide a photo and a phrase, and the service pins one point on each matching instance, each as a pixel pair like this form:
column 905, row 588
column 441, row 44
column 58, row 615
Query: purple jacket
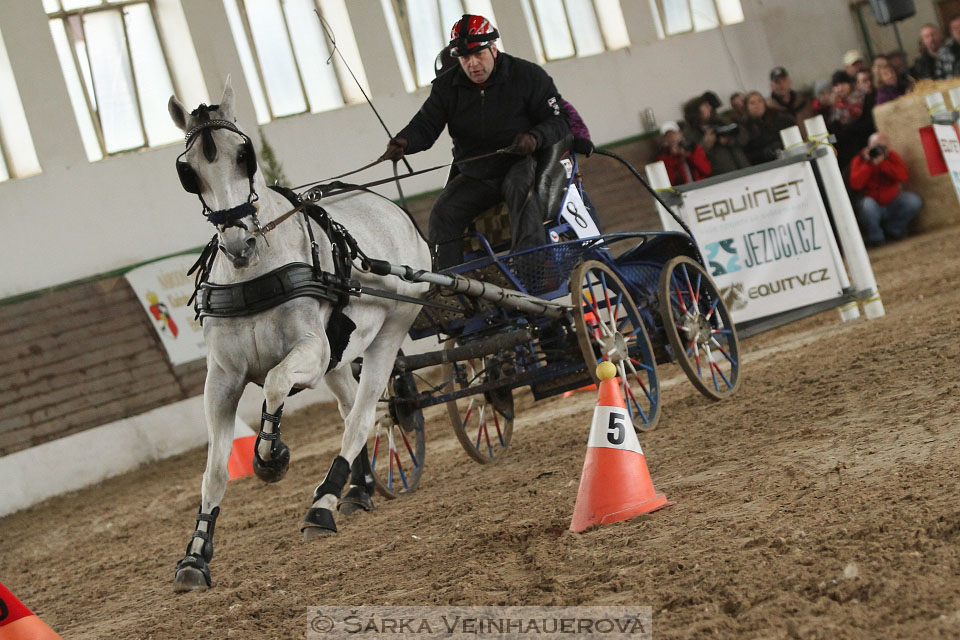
column 887, row 93
column 577, row 126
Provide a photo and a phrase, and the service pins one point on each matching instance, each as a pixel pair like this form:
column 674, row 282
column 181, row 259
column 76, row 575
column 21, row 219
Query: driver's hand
column 523, row 144
column 395, row 149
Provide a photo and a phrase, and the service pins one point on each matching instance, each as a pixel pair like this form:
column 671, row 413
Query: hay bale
column 900, row 119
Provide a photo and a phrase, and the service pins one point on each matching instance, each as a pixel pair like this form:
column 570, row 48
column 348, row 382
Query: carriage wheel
column 483, row 422
column 398, row 442
column 610, row 328
column 701, row 334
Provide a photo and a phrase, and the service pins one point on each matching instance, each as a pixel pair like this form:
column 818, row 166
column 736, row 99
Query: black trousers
column 464, row 198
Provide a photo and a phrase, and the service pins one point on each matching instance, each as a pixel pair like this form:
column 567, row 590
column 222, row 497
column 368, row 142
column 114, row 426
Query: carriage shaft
column 507, row 298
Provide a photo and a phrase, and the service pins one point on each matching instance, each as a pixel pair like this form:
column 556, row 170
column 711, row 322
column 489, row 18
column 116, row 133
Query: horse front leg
column 220, row 398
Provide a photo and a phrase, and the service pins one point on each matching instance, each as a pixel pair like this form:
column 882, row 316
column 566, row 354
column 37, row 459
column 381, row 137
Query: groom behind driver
column 493, row 100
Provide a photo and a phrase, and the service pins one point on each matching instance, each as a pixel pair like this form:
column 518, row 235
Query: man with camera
column 686, row 162
column 886, row 209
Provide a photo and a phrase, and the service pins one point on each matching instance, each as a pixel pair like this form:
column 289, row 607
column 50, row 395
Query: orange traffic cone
column 240, row 464
column 589, row 387
column 19, row 623
column 615, row 484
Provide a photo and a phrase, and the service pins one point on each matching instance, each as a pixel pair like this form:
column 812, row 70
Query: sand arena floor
column 821, row 502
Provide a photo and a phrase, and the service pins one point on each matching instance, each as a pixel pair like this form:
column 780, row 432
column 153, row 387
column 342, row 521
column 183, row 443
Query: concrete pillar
column 41, row 84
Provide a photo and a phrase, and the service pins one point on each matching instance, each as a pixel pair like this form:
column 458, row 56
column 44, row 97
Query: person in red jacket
column 886, row 209
column 685, row 163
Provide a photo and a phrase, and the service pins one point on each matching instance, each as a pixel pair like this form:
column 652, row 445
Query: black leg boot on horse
column 359, row 496
column 319, row 520
column 193, row 572
column 275, row 466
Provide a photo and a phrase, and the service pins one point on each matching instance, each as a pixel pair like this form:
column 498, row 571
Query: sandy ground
column 820, row 502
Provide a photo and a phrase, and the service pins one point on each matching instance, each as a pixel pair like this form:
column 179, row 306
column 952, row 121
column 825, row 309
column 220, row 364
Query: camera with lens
column 877, row 152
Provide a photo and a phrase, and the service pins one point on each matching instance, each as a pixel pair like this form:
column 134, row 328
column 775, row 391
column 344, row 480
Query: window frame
column 114, row 5
column 660, row 18
column 258, row 67
column 406, row 36
column 5, row 174
column 541, row 46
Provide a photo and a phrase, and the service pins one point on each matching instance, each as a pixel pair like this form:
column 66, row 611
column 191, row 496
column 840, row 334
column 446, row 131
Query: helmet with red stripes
column 471, row 34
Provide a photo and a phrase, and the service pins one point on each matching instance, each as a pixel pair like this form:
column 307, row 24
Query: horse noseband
column 231, row 217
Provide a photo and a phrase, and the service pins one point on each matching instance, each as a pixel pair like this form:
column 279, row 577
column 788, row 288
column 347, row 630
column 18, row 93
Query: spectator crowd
column 709, row 141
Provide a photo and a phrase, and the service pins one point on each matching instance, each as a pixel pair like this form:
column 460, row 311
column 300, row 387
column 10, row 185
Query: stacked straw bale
column 900, row 120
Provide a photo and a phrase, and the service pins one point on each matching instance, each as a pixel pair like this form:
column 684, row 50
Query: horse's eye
column 241, row 158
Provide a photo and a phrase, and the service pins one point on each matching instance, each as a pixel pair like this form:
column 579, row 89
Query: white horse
column 287, row 345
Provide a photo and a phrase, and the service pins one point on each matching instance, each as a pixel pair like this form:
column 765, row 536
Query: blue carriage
column 636, row 299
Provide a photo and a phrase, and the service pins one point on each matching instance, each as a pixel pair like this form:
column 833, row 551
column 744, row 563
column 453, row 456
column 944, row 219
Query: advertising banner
column 163, row 289
column 950, row 146
column 766, row 240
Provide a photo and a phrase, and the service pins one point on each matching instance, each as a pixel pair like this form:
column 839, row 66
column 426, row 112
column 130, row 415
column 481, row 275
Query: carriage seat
column 550, row 183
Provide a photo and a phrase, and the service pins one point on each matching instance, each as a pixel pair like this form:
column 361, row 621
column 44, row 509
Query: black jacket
column 924, row 67
column 763, row 135
column 519, row 97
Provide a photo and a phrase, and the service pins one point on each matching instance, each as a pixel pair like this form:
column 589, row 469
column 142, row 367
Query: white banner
column 163, row 289
column 950, row 146
column 766, row 240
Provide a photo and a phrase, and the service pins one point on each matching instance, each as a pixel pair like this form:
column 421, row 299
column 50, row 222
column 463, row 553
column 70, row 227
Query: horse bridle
column 190, row 181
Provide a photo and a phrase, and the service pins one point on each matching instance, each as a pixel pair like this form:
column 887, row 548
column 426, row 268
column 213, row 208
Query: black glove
column 394, row 150
column 523, row 144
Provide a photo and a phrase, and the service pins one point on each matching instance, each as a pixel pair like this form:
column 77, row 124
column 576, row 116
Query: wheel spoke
column 376, row 447
column 406, row 442
column 712, row 366
column 723, row 351
column 683, row 305
column 403, row 476
column 480, row 424
column 496, row 423
column 713, row 308
column 694, row 302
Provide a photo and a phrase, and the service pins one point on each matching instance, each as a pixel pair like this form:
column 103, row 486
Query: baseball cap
column 668, row 126
column 778, row 72
column 850, row 57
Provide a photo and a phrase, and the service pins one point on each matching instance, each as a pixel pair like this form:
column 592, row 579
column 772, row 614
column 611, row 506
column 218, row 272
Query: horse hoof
column 189, row 579
column 275, row 468
column 356, row 499
column 312, row 533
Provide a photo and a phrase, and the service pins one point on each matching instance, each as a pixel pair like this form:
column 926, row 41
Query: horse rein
column 315, row 194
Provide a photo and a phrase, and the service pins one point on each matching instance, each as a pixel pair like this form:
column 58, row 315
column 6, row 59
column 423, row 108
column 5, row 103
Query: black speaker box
column 887, row 11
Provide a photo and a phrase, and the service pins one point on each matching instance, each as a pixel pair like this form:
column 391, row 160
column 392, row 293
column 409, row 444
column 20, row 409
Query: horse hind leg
column 378, row 362
column 318, row 520
column 359, row 497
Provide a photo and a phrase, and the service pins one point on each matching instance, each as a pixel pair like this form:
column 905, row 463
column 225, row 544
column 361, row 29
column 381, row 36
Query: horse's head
column 219, row 165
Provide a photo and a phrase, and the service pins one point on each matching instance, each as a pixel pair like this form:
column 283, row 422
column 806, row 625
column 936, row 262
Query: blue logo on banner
column 722, row 257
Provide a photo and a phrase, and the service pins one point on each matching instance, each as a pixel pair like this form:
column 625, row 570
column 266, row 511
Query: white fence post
column 660, row 181
column 846, row 222
column 793, row 145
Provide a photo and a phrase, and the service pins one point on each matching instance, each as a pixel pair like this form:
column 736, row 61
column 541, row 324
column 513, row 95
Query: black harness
column 294, row 280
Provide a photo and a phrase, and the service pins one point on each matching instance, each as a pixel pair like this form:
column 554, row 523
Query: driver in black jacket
column 491, row 101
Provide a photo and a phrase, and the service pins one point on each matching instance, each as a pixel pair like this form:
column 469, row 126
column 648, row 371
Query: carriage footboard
column 476, row 349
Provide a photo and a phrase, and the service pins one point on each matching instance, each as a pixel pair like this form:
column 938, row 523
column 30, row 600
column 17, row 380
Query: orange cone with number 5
column 615, row 484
